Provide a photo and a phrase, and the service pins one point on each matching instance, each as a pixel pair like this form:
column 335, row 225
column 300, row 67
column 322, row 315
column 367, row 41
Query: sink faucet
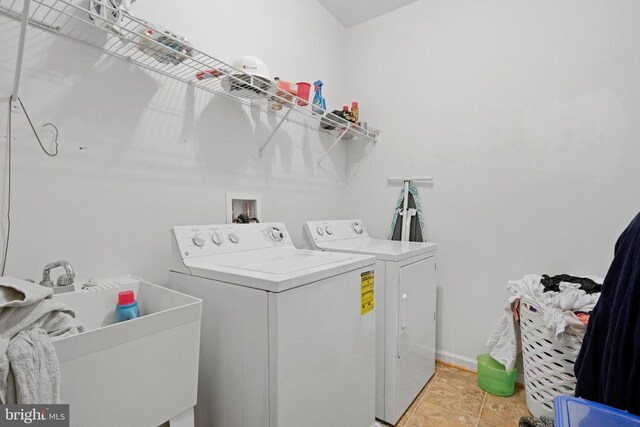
column 64, row 280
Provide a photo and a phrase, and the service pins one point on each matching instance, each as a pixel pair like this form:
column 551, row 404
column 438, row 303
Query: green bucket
column 494, row 378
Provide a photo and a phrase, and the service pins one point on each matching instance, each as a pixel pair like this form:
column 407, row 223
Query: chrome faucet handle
column 64, row 280
column 46, row 277
column 46, row 283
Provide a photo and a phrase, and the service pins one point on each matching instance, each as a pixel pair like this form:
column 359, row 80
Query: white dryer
column 286, row 340
column 405, row 292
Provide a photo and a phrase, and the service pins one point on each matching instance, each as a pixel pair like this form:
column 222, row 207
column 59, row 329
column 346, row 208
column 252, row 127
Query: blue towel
column 608, row 366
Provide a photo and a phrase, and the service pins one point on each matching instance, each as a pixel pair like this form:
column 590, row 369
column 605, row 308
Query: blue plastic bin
column 575, row 412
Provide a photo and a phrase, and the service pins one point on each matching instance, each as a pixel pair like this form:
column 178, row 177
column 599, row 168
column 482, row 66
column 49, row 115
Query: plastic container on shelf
column 575, row 412
column 165, row 46
column 304, row 89
column 355, row 112
column 494, row 378
column 285, row 91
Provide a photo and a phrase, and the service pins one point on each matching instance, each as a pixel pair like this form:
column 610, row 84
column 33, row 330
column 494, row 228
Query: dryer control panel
column 200, row 240
column 327, row 231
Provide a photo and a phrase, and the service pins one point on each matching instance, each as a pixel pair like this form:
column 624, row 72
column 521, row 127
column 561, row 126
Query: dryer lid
column 388, row 250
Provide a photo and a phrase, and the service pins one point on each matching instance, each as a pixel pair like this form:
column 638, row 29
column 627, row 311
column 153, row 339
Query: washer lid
column 276, row 269
column 388, row 250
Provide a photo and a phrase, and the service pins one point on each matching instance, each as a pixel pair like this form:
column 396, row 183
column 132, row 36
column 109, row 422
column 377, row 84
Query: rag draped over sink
column 29, row 317
column 608, row 366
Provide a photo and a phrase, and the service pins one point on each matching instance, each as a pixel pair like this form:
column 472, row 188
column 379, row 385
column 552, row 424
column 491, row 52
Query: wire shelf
column 151, row 47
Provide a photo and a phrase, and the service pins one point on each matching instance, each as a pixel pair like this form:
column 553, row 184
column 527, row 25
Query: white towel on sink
column 27, row 307
column 35, row 370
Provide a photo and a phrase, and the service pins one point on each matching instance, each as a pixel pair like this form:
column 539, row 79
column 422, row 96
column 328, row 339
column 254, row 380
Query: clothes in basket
column 558, row 310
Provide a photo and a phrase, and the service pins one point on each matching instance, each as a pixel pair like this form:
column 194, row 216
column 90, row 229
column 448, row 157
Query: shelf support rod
column 344, row 132
column 273, row 132
column 366, row 153
column 24, row 19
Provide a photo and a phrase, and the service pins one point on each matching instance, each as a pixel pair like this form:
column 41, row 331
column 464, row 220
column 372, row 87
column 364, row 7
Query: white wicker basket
column 548, row 362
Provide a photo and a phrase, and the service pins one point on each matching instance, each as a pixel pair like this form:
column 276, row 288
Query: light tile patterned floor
column 452, row 398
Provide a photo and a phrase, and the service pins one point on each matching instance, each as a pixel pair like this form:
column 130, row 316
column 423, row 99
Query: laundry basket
column 548, row 362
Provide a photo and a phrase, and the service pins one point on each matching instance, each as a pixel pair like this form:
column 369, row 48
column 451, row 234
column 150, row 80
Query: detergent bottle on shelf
column 347, row 115
column 344, row 113
column 355, row 112
column 274, row 102
column 319, row 105
column 127, row 307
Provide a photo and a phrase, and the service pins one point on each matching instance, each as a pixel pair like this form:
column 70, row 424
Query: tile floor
column 452, row 398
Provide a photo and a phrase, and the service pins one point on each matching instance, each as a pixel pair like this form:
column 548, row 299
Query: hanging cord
column 6, row 241
column 55, row 141
column 9, row 139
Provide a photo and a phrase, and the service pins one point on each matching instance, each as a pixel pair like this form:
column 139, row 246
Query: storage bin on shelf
column 548, row 362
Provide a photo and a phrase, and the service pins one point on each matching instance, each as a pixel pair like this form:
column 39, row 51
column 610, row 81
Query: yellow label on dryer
column 366, row 292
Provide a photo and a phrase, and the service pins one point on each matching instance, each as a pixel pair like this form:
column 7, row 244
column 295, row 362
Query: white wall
column 526, row 114
column 108, row 208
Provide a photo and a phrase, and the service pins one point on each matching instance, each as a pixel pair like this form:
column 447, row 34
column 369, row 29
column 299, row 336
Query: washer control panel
column 198, row 241
column 216, row 237
column 276, row 233
column 202, row 240
column 326, row 231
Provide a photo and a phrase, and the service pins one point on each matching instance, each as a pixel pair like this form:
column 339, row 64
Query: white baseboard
column 467, row 362
column 456, row 359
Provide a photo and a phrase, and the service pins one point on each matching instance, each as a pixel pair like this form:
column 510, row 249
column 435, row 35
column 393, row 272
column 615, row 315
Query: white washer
column 405, row 293
column 285, row 342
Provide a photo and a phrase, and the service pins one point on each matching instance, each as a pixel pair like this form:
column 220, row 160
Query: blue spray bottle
column 319, row 105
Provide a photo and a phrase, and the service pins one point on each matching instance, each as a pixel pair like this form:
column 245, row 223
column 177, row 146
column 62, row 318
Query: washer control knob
column 234, row 238
column 329, row 230
column 320, row 231
column 276, row 234
column 216, row 238
column 357, row 227
column 198, row 241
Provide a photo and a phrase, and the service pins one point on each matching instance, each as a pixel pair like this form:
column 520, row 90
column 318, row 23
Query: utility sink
column 142, row 372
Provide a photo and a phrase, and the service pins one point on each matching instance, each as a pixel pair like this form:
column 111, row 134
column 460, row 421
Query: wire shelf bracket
column 342, row 134
column 367, row 150
column 273, row 132
column 129, row 39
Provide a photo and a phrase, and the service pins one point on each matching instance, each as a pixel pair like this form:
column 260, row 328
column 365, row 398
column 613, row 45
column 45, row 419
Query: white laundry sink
column 142, row 372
